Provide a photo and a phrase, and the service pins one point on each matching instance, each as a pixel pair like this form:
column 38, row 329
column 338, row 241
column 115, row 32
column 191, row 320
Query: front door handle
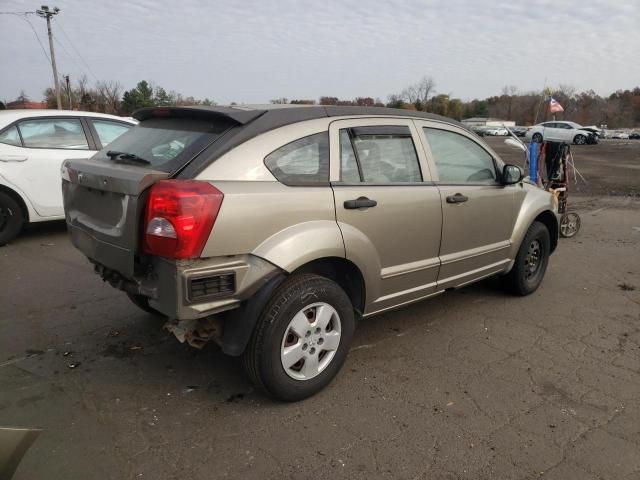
column 13, row 158
column 360, row 202
column 457, row 198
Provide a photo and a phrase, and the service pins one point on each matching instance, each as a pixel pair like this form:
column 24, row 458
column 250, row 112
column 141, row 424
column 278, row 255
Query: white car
column 620, row 135
column 497, row 131
column 33, row 145
column 570, row 132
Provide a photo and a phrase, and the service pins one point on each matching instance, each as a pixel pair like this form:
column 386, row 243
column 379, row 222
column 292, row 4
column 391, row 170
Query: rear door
column 478, row 212
column 387, row 208
column 46, row 143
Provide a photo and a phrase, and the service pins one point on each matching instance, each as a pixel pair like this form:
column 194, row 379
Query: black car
column 634, row 136
column 518, row 131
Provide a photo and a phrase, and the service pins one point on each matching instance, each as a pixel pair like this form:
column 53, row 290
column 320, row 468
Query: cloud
column 252, row 51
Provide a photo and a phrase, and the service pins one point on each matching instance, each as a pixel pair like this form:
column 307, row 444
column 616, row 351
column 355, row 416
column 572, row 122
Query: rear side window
column 11, row 137
column 459, row 159
column 383, row 154
column 109, row 131
column 59, row 133
column 167, row 144
column 302, row 162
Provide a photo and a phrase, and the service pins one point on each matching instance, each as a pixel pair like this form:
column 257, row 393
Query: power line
column 23, row 16
column 64, row 49
column 76, row 50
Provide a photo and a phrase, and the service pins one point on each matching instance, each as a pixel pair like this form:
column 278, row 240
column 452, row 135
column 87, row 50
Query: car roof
column 10, row 116
column 273, row 116
column 249, row 121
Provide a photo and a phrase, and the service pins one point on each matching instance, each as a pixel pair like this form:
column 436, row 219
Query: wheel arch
column 549, row 220
column 18, row 198
column 345, row 273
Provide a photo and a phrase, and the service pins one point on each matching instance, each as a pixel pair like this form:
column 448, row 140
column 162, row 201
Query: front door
column 387, row 208
column 477, row 211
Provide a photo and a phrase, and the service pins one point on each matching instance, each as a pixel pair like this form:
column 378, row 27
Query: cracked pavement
column 473, row 384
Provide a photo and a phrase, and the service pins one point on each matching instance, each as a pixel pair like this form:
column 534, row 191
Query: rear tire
column 11, row 218
column 302, row 338
column 531, row 262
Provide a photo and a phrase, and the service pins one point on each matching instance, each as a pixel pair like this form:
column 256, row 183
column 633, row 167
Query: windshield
column 166, row 143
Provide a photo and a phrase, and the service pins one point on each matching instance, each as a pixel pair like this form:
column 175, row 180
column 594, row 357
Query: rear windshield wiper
column 113, row 155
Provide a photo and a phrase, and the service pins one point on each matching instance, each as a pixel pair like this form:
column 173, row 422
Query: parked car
column 620, row 135
column 634, row 135
column 33, row 145
column 497, row 131
column 271, row 231
column 519, row 131
column 570, row 132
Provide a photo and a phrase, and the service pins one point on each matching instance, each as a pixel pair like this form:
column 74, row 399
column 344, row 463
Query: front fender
column 302, row 243
column 535, row 202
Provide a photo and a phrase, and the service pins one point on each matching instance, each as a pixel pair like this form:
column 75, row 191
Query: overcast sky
column 253, row 51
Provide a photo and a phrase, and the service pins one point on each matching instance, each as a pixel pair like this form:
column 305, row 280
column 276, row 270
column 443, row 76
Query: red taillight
column 180, row 216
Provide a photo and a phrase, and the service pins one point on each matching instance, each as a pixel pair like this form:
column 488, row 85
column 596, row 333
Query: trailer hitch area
column 196, row 332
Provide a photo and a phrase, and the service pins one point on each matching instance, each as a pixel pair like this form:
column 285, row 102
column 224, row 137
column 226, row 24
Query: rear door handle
column 360, row 202
column 457, row 198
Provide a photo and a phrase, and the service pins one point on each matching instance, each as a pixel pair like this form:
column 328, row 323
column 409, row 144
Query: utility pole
column 66, row 79
column 44, row 12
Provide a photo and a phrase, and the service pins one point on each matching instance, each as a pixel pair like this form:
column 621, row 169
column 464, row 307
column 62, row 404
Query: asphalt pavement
column 473, row 384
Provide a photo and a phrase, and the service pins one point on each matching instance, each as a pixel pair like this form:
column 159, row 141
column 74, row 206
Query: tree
column 139, row 97
column 328, row 101
column 419, row 93
column 279, row 101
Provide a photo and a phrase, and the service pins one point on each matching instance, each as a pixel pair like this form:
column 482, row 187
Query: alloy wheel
column 310, row 341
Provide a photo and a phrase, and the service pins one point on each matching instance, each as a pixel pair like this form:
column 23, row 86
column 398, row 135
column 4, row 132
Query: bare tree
column 109, row 94
column 420, row 92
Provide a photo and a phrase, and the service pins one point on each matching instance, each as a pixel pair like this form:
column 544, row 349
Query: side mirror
column 516, row 144
column 511, row 174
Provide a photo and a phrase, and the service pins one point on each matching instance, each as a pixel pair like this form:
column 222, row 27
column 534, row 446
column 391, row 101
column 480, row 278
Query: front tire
column 580, row 140
column 531, row 262
column 11, row 218
column 302, row 338
column 537, row 137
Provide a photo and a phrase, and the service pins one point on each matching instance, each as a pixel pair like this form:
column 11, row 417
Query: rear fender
column 302, row 243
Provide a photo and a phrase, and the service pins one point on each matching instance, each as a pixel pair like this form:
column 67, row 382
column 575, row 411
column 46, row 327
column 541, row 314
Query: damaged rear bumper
column 194, row 289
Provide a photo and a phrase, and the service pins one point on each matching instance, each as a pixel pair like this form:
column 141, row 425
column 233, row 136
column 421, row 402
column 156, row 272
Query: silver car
column 272, row 231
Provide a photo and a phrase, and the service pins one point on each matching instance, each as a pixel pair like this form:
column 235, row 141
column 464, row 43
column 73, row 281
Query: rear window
column 166, row 143
column 302, row 162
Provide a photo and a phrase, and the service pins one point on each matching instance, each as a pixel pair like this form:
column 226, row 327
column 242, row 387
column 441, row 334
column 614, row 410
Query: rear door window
column 167, row 144
column 380, row 154
column 56, row 133
column 460, row 160
column 302, row 162
column 108, row 131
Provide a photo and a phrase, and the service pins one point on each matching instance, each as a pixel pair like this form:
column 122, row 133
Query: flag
column 554, row 106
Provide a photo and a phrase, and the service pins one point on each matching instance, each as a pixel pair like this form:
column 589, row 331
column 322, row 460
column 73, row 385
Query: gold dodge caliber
column 272, row 230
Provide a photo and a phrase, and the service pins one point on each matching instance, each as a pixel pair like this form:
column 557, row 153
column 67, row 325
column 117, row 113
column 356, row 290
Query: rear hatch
column 104, row 196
